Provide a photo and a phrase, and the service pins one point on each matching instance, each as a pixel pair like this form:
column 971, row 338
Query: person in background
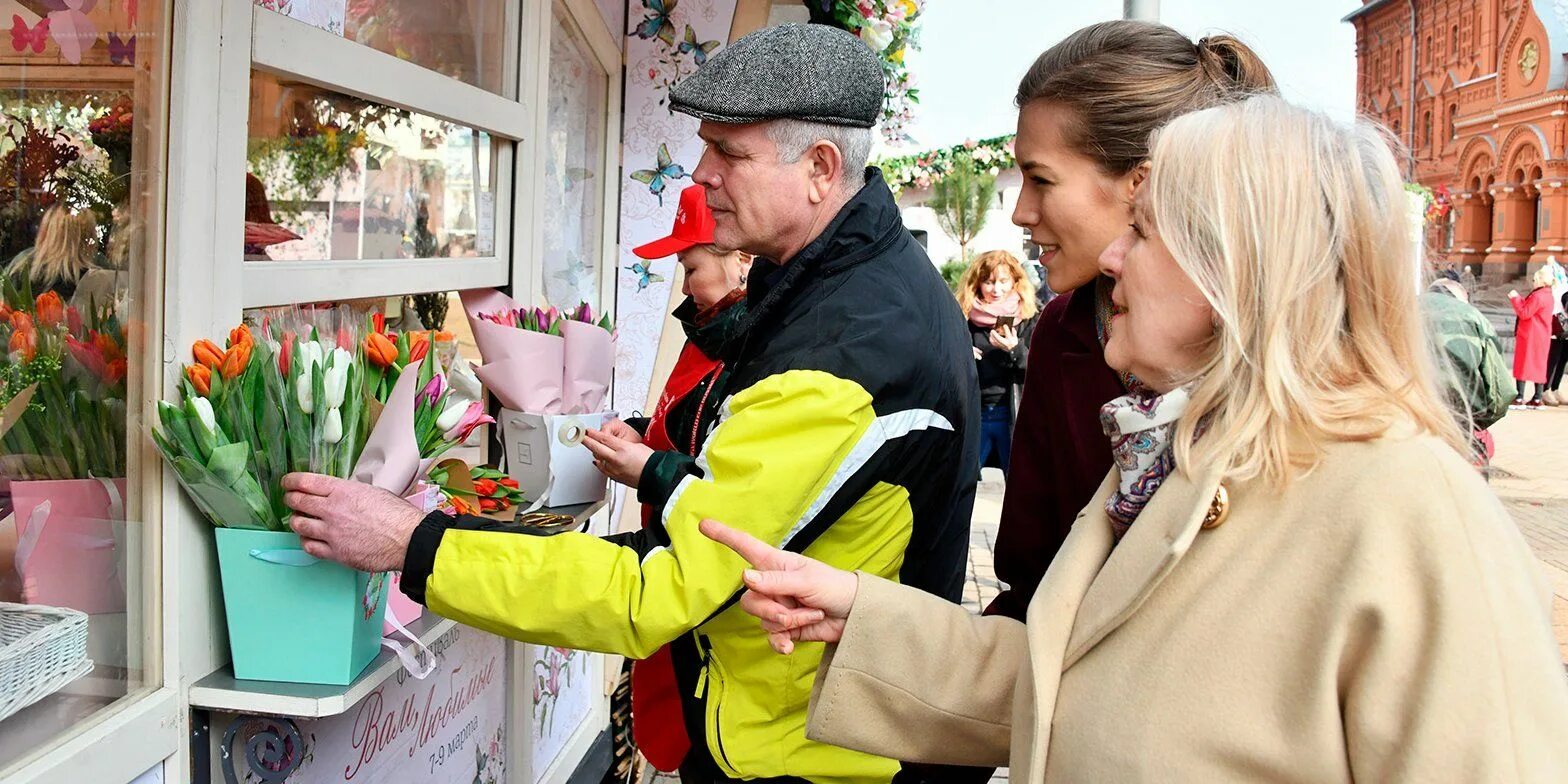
column 715, row 287
column 1086, row 109
column 1476, row 378
column 1291, row 575
column 1557, row 358
column 106, row 285
column 66, row 249
column 1532, row 337
column 998, row 299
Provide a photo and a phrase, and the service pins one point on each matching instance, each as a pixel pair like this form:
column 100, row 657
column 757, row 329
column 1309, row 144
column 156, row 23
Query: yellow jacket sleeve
column 783, row 447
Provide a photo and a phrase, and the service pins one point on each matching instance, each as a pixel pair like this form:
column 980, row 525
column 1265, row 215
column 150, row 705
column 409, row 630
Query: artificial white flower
column 332, row 429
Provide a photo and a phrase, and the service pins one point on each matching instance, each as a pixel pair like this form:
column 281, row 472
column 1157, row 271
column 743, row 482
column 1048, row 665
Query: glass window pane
column 574, row 168
column 81, row 187
column 463, row 39
column 337, row 177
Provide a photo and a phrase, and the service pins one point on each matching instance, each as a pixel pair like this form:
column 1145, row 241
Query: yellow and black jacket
column 848, row 431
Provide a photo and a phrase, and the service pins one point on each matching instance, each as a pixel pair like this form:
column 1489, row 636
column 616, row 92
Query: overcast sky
column 974, row 51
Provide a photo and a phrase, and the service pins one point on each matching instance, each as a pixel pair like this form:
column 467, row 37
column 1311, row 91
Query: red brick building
column 1478, row 91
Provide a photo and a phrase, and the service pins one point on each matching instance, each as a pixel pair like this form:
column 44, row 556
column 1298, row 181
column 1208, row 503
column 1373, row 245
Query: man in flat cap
column 847, row 430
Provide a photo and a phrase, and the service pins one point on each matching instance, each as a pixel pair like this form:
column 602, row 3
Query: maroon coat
column 1533, row 336
column 1060, row 453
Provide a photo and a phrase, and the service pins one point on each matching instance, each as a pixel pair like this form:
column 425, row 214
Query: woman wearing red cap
column 647, row 454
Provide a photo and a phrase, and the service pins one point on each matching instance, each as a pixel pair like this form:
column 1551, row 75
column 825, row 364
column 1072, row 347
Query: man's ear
column 827, row 169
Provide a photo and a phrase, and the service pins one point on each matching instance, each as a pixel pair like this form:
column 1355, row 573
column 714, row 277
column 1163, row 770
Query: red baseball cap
column 693, row 226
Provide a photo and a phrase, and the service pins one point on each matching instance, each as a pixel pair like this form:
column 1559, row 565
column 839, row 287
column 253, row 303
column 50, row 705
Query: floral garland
column 1439, row 202
column 920, row 170
column 891, row 29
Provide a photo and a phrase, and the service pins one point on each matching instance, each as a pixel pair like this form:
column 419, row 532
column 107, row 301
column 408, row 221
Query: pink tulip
column 432, row 391
column 472, row 418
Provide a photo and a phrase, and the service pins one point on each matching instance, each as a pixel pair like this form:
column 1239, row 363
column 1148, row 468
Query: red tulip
column 485, row 487
column 24, row 342
column 51, row 309
column 509, row 482
column 73, row 320
column 88, row 355
column 286, row 353
column 489, row 504
column 116, row 371
column 379, row 323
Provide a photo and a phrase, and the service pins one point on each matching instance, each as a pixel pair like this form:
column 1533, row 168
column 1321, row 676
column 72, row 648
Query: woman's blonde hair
column 1544, row 278
column 64, row 248
column 983, row 268
column 1296, row 230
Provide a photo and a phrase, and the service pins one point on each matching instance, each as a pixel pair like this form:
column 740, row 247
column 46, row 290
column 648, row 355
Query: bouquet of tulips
column 64, row 376
column 388, row 353
column 546, row 320
column 485, row 489
column 258, row 409
column 443, row 419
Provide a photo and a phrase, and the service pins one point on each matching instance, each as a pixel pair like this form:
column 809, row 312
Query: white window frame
column 291, row 48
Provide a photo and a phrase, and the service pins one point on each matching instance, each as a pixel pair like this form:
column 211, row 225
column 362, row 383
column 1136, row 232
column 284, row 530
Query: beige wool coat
column 1379, row 620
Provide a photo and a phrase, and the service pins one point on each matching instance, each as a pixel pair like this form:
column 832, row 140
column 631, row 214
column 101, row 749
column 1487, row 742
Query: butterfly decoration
column 24, row 38
column 577, row 174
column 122, row 52
column 644, row 276
column 698, row 51
column 657, row 177
column 71, row 28
column 657, row 24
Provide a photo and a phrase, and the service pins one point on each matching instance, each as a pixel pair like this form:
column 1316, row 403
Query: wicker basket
column 41, row 650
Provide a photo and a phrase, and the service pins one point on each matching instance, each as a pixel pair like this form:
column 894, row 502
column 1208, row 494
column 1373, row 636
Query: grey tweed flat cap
column 795, row 71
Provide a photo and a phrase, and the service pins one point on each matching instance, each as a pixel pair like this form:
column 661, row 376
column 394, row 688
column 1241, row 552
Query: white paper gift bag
column 544, row 453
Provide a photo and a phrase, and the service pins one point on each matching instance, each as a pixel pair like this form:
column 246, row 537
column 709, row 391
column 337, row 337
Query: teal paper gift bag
column 293, row 618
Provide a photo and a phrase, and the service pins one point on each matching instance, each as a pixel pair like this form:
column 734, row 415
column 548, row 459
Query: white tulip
column 335, row 385
column 203, row 407
column 304, row 393
column 310, row 356
column 332, row 429
column 451, row 416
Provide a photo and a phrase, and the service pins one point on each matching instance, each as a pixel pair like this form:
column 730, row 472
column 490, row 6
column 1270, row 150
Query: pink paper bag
column 589, row 366
column 399, row 607
column 391, row 458
column 522, row 369
column 70, row 540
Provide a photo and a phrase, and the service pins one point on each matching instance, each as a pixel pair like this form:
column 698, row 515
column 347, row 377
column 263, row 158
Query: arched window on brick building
column 1426, row 127
column 1453, row 41
column 1453, row 119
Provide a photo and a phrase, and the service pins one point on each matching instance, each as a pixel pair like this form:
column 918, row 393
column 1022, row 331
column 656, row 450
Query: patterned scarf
column 1140, row 426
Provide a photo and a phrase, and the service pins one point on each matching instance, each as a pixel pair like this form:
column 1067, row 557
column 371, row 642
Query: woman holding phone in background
column 998, row 299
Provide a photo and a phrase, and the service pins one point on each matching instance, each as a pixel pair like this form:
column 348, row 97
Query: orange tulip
column 117, row 370
column 51, row 309
column 463, row 506
column 106, row 346
column 236, row 359
column 240, row 334
column 380, row 349
column 444, row 337
column 21, row 321
column 207, row 353
column 201, row 378
column 25, row 342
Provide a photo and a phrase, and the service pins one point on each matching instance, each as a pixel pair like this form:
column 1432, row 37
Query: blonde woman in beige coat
column 1293, row 574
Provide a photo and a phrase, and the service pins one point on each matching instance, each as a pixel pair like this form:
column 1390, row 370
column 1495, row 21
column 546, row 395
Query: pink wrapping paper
column 391, row 458
column 522, row 369
column 588, row 367
column 74, row 560
column 399, row 607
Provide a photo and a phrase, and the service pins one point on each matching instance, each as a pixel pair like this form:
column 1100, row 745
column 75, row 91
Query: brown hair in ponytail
column 1122, row 80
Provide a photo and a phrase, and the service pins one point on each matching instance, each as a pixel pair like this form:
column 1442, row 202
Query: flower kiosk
column 242, row 238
